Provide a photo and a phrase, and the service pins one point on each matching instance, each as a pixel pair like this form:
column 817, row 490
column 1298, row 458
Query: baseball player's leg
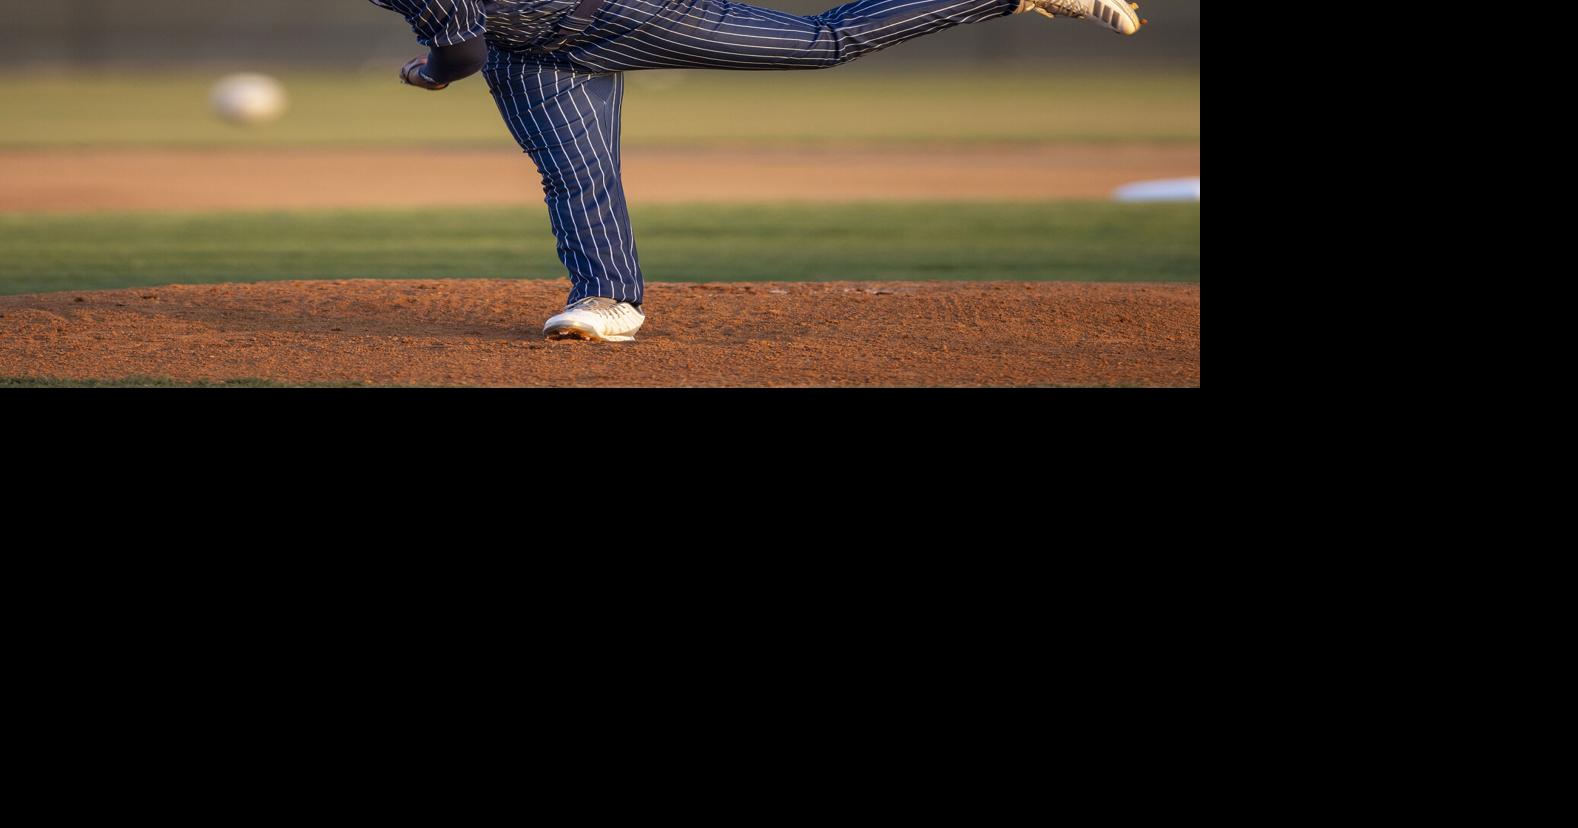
column 569, row 123
column 717, row 34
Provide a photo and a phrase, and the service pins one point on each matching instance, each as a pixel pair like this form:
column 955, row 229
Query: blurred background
column 116, row 73
column 349, row 34
column 115, row 169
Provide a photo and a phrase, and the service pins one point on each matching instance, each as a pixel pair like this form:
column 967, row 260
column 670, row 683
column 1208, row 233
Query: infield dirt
column 163, row 179
column 487, row 333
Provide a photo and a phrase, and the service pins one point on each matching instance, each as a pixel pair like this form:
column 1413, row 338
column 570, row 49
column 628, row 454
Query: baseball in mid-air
column 249, row 99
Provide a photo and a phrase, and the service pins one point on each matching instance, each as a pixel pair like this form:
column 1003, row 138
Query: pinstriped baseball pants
column 563, row 106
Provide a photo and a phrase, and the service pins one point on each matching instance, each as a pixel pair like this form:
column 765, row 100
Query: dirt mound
column 487, row 333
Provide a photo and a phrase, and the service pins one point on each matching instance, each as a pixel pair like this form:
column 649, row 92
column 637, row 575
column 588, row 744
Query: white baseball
column 249, row 99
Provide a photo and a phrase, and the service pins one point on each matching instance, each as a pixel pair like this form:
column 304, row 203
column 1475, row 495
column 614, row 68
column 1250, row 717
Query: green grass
column 1081, row 241
column 849, row 105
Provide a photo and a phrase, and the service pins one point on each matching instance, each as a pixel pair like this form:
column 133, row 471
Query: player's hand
column 412, row 74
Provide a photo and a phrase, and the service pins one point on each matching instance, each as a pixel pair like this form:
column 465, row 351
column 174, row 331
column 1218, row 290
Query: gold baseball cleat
column 1113, row 14
column 596, row 319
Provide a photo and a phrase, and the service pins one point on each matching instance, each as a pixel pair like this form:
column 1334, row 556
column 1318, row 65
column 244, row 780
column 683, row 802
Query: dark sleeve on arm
column 447, row 64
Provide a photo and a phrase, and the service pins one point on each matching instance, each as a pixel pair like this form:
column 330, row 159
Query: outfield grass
column 1080, row 241
column 849, row 105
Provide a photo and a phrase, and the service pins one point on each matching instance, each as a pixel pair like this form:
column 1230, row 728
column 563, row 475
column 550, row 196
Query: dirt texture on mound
column 488, row 333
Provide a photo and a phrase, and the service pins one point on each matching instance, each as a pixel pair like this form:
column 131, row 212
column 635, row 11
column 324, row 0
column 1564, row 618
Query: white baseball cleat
column 598, row 319
column 1116, row 15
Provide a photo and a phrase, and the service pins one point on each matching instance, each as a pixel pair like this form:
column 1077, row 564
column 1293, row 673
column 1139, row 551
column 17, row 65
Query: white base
column 1166, row 189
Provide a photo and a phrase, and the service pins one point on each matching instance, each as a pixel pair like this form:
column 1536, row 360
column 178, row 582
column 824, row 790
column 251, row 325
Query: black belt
column 573, row 24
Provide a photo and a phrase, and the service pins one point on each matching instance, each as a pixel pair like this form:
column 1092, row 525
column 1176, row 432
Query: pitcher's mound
column 488, row 333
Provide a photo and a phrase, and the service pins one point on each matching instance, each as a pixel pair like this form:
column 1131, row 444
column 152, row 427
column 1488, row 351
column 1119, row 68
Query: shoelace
column 603, row 306
column 1067, row 8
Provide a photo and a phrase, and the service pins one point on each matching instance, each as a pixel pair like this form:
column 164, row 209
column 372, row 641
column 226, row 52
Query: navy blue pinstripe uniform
column 554, row 68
